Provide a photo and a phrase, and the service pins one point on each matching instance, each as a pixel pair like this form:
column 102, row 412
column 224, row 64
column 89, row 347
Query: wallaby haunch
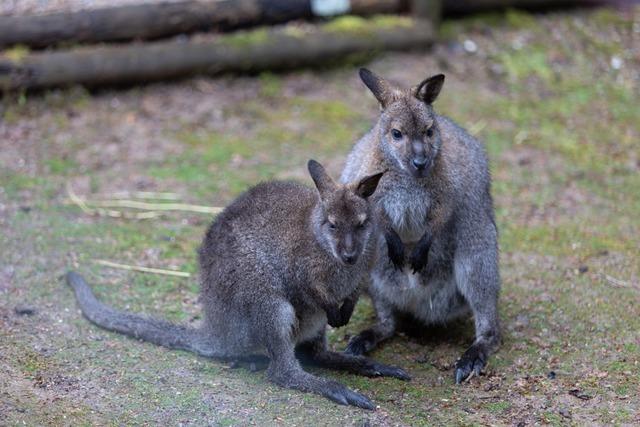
column 276, row 265
column 435, row 202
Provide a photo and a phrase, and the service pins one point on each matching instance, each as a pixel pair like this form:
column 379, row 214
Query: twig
column 142, row 269
column 617, row 282
column 134, row 204
column 150, row 195
column 106, row 212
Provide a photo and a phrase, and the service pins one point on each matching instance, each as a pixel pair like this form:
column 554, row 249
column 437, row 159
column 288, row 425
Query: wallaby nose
column 419, row 162
column 349, row 257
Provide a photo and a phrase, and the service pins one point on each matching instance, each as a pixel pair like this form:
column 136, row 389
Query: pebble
column 470, row 46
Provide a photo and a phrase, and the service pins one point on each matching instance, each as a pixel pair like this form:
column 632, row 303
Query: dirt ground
column 554, row 98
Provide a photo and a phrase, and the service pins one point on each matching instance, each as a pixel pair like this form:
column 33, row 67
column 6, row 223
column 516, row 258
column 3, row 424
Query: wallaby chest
column 406, row 203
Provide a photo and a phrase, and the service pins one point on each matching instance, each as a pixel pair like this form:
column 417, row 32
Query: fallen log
column 248, row 51
column 149, row 21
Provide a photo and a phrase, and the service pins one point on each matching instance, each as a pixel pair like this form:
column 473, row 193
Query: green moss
column 244, row 39
column 16, row 53
column 270, row 85
column 61, row 165
column 497, row 406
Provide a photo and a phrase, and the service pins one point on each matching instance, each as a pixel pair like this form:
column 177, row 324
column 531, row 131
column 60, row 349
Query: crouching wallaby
column 278, row 264
column 437, row 220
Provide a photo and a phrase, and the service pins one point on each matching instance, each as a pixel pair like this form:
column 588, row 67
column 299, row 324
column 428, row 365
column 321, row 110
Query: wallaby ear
column 428, row 90
column 320, row 177
column 381, row 89
column 367, row 185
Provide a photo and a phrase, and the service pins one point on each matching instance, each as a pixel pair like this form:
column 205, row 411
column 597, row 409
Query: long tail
column 156, row 331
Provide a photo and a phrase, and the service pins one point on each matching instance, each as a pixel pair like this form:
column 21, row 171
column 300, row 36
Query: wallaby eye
column 429, row 132
column 396, row 134
column 332, row 226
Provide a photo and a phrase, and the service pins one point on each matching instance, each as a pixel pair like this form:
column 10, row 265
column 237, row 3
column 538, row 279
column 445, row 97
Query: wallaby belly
column 432, row 301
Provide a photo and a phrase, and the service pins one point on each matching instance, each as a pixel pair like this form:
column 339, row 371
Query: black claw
column 394, row 372
column 359, row 400
column 337, row 397
column 471, row 361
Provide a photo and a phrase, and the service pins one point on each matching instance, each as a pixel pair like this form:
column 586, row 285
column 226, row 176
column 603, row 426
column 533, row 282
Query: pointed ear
column 428, row 90
column 367, row 185
column 323, row 181
column 381, row 89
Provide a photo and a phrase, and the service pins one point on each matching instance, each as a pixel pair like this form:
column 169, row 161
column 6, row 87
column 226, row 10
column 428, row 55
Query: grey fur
column 273, row 273
column 441, row 214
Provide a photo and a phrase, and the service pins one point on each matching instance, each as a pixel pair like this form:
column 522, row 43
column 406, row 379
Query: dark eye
column 332, row 226
column 396, row 134
column 361, row 225
column 429, row 132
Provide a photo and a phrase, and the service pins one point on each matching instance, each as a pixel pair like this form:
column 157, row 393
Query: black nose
column 349, row 257
column 419, row 163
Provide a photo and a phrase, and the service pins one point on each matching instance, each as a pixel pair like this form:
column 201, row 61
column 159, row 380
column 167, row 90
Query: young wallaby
column 276, row 265
column 437, row 211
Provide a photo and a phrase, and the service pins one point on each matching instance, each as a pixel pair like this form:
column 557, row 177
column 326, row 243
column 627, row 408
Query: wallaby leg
column 478, row 280
column 317, row 353
column 368, row 339
column 285, row 370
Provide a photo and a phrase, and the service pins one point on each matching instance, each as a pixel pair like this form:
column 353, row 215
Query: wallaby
column 435, row 203
column 276, row 266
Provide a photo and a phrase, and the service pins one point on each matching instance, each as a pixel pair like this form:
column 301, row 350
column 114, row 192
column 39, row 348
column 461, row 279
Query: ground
column 553, row 97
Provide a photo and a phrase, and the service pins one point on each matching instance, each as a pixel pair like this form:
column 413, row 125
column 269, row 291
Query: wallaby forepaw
column 472, row 361
column 418, row 259
column 360, row 344
column 335, row 318
column 395, row 250
column 343, row 396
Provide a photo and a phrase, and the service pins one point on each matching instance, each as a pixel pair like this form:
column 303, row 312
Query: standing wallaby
column 436, row 207
column 278, row 264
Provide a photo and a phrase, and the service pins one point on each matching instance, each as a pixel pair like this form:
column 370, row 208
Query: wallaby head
column 343, row 219
column 409, row 135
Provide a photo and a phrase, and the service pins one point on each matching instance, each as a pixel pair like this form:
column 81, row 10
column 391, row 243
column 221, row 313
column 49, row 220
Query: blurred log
column 473, row 6
column 156, row 20
column 253, row 51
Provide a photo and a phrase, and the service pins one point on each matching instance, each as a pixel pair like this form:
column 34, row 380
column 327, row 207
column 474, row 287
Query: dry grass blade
column 142, row 269
column 73, row 197
column 148, row 195
column 134, row 204
column 618, row 283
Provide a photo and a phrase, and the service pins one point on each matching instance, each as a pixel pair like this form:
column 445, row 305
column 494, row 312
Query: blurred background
column 125, row 124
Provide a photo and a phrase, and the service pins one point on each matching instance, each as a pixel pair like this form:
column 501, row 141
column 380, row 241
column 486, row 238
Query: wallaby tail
column 156, row 331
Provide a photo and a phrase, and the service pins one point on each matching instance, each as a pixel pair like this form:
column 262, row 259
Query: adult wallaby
column 436, row 207
column 276, row 265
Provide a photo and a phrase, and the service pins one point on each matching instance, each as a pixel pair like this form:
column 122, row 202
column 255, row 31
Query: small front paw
column 361, row 343
column 473, row 360
column 419, row 257
column 417, row 263
column 334, row 318
column 395, row 249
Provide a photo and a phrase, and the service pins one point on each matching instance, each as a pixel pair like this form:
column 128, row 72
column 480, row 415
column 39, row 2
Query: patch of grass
column 497, row 407
column 61, row 165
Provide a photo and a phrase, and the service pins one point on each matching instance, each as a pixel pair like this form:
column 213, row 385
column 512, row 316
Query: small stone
column 616, row 62
column 583, row 269
column 470, row 46
column 551, row 375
